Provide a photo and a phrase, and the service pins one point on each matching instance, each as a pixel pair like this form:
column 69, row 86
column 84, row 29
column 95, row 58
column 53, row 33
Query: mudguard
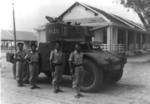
column 105, row 60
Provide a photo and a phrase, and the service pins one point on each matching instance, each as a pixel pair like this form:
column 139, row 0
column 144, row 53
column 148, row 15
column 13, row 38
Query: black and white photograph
column 75, row 52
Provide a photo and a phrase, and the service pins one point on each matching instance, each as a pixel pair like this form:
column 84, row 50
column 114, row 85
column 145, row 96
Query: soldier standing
column 76, row 69
column 33, row 60
column 20, row 64
column 56, row 65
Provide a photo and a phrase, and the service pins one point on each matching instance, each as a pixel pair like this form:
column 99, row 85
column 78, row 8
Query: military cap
column 33, row 45
column 20, row 43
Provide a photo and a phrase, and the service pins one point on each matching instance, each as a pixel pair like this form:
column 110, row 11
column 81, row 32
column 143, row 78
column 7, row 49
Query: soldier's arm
column 38, row 57
column 27, row 58
column 15, row 56
column 51, row 59
column 71, row 63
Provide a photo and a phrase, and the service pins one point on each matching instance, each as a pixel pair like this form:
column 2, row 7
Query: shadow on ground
column 66, row 81
column 118, row 88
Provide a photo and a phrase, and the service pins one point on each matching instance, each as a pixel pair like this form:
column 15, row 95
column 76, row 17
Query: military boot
column 18, row 83
column 21, row 83
column 55, row 89
column 58, row 88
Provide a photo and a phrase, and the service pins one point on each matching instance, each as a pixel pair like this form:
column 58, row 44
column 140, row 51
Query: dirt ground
column 133, row 88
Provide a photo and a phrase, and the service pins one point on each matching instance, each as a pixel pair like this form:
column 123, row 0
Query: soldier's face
column 77, row 47
column 57, row 46
column 20, row 47
column 33, row 48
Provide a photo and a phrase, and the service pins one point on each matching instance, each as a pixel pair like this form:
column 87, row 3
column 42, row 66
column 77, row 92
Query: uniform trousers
column 78, row 77
column 57, row 75
column 33, row 73
column 20, row 66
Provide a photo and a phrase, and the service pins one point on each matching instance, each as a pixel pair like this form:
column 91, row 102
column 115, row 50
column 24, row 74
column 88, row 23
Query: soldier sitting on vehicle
column 56, row 65
column 76, row 68
column 33, row 60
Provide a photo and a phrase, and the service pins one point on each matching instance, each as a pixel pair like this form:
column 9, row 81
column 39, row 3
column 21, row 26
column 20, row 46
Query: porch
column 121, row 40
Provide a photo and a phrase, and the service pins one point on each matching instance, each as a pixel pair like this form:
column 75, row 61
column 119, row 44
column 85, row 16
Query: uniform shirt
column 56, row 56
column 76, row 58
column 19, row 54
column 33, row 57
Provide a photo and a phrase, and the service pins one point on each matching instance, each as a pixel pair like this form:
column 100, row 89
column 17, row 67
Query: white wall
column 26, row 45
column 41, row 36
column 78, row 12
column 115, row 36
column 98, row 36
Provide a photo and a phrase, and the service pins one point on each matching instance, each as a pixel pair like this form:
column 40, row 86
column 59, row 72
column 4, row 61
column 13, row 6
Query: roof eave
column 68, row 9
column 129, row 28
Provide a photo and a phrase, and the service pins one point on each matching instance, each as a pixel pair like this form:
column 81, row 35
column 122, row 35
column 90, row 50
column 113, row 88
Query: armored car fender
column 100, row 67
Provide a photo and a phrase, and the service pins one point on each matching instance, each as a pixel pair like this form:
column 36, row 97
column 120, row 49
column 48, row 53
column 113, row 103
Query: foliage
column 142, row 7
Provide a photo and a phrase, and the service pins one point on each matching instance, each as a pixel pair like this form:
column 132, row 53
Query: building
column 7, row 38
column 114, row 32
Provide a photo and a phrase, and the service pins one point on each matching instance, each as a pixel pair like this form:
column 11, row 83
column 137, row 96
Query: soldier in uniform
column 56, row 65
column 76, row 69
column 33, row 59
column 20, row 64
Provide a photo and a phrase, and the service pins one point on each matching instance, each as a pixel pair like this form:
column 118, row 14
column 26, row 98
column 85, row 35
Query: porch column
column 4, row 44
column 134, row 40
column 11, row 43
column 109, row 38
column 126, row 45
column 115, row 39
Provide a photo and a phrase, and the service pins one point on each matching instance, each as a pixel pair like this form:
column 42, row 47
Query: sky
column 30, row 14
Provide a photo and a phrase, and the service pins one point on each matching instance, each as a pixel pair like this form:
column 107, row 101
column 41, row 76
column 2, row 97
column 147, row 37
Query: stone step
column 130, row 53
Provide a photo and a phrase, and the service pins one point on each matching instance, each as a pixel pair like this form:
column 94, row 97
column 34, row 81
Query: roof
column 6, row 35
column 109, row 17
column 99, row 27
column 20, row 35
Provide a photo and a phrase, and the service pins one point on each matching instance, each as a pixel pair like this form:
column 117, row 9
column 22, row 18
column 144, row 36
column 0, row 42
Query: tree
column 141, row 7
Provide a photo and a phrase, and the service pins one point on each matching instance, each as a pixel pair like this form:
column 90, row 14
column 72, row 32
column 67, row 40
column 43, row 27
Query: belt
column 20, row 61
column 35, row 63
column 55, row 64
column 78, row 65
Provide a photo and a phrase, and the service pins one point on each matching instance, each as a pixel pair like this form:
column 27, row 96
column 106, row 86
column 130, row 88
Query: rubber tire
column 48, row 74
column 116, row 77
column 97, row 76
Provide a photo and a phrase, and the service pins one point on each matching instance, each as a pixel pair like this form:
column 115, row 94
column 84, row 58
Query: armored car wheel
column 117, row 76
column 93, row 76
